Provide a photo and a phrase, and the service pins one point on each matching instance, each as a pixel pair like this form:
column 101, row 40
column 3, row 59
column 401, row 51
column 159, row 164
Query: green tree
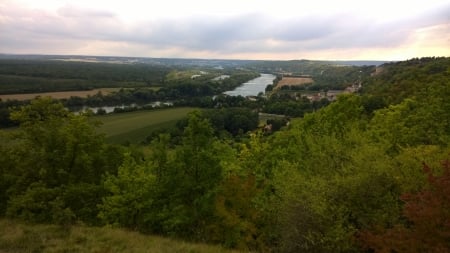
column 428, row 227
column 192, row 180
column 160, row 155
column 59, row 154
column 238, row 216
column 130, row 195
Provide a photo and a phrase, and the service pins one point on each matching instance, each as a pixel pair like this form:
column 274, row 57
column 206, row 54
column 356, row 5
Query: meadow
column 134, row 127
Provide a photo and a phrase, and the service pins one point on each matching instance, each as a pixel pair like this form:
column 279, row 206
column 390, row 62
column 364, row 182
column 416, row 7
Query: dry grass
column 294, row 81
column 18, row 237
column 58, row 95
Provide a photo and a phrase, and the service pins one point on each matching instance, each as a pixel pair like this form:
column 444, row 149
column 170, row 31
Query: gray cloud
column 71, row 28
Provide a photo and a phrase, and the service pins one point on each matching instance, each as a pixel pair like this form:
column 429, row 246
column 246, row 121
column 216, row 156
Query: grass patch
column 19, row 237
column 139, row 135
column 134, row 127
column 177, row 75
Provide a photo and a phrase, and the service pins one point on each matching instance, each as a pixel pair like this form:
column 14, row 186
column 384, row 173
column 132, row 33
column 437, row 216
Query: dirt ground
column 294, row 81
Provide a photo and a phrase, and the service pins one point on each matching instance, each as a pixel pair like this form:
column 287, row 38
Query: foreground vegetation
column 18, row 237
column 367, row 173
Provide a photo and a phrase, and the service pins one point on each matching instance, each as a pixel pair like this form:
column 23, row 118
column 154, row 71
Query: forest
column 369, row 172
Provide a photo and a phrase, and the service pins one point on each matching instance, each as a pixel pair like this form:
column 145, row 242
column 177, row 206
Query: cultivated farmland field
column 294, row 81
column 136, row 126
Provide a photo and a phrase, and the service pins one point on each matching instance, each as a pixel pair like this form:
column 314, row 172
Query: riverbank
column 252, row 87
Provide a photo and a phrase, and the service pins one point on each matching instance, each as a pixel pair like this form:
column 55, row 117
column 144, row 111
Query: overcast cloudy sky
column 232, row 29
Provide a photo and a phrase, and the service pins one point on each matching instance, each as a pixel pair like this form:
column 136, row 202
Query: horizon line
column 193, row 58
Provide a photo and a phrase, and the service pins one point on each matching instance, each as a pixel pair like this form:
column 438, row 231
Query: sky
column 232, row 29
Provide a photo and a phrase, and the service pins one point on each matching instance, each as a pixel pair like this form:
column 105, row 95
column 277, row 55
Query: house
column 353, row 88
column 332, row 94
column 316, row 96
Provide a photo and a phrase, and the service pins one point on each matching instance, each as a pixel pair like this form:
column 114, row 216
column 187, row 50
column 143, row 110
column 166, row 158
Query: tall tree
column 428, row 215
column 130, row 195
column 193, row 178
column 59, row 154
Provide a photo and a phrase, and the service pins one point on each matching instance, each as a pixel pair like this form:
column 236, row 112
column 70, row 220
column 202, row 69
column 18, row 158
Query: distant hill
column 398, row 80
column 219, row 63
column 361, row 63
column 175, row 61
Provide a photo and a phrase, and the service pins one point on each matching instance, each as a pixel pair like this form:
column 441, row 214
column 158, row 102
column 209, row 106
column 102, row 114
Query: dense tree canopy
column 427, row 211
column 55, row 160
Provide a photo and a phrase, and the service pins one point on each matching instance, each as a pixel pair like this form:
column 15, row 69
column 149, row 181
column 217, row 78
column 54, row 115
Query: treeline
column 326, row 75
column 181, row 92
column 29, row 76
column 227, row 123
column 192, row 92
column 185, row 89
column 354, row 176
column 396, row 81
column 284, row 104
column 340, row 77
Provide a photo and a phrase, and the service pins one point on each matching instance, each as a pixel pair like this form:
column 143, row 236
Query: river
column 252, row 87
column 110, row 109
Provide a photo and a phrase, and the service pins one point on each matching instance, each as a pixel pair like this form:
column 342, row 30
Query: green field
column 134, row 127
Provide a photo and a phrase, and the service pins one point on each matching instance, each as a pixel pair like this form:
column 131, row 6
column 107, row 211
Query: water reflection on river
column 110, row 109
column 252, row 87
